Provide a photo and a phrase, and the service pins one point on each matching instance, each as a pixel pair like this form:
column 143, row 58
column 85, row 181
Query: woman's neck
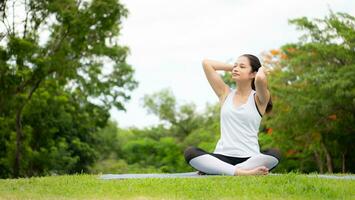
column 243, row 88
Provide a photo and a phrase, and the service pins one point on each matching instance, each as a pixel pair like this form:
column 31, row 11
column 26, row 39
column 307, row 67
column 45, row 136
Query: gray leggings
column 210, row 163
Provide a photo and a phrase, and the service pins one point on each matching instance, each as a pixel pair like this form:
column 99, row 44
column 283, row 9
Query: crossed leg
column 210, row 164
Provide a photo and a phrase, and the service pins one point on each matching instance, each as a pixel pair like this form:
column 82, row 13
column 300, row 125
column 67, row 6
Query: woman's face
column 242, row 69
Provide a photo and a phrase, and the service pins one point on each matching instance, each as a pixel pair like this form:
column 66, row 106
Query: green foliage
column 314, row 94
column 111, row 166
column 56, row 90
column 181, row 120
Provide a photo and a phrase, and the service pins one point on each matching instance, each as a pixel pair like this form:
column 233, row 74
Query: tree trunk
column 19, row 132
column 343, row 163
column 329, row 158
column 319, row 161
column 19, row 137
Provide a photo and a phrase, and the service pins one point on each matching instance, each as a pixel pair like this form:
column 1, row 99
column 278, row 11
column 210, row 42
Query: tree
column 181, row 120
column 314, row 94
column 82, row 39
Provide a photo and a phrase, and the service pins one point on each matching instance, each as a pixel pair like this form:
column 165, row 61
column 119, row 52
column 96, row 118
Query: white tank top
column 239, row 128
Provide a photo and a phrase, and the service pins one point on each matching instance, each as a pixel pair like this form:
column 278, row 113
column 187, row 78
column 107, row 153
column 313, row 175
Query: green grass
column 288, row 186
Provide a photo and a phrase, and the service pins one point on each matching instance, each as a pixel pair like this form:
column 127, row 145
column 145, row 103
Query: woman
column 237, row 151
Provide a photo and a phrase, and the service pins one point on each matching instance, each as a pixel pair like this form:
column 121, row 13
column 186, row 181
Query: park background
column 69, row 69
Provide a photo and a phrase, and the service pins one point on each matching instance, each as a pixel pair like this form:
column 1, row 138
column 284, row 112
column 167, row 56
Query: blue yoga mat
column 174, row 175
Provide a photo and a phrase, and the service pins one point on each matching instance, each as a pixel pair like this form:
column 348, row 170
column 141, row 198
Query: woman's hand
column 263, row 72
column 217, row 65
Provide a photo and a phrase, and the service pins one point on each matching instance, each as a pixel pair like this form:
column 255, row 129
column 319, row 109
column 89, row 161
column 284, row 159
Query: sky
column 169, row 39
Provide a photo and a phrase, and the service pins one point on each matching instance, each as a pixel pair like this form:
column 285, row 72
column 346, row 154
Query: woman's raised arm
column 262, row 91
column 219, row 87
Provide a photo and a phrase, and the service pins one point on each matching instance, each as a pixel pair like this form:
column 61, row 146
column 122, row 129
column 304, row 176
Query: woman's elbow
column 205, row 62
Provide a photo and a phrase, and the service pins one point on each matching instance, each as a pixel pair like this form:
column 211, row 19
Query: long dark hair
column 255, row 65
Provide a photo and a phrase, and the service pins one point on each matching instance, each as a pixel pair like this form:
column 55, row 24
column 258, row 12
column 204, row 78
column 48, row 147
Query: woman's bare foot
column 256, row 171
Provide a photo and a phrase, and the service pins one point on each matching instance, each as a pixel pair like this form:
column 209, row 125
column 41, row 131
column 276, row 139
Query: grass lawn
column 288, row 186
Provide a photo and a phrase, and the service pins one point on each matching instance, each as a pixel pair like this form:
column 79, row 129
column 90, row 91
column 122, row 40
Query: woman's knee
column 270, row 161
column 192, row 152
column 273, row 162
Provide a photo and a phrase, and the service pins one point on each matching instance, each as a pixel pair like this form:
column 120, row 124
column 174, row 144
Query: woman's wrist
column 262, row 72
column 217, row 65
column 229, row 67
